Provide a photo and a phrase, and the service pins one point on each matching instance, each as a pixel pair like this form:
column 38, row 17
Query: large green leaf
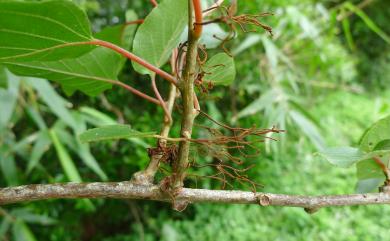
column 220, row 69
column 160, row 33
column 42, row 30
column 376, row 134
column 112, row 132
column 90, row 73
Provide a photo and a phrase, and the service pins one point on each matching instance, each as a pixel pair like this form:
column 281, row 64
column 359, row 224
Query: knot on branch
column 264, row 200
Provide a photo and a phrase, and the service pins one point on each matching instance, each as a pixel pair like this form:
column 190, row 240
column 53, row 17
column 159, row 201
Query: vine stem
column 134, row 58
column 154, row 2
column 198, row 26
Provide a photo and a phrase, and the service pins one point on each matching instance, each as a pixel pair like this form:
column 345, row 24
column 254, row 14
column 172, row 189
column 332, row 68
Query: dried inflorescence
column 229, row 17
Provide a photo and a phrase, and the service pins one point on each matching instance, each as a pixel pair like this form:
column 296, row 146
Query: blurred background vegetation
column 324, row 77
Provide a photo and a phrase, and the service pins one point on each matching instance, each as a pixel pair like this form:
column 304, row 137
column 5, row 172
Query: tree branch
column 127, row 190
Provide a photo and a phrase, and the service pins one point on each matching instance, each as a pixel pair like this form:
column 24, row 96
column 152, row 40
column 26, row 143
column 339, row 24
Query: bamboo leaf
column 66, row 161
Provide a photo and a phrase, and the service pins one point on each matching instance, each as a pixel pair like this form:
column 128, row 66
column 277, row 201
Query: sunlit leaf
column 91, row 73
column 42, row 30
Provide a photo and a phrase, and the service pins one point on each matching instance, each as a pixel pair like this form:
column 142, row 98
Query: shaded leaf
column 21, row 232
column 368, row 21
column 29, row 217
column 112, row 132
column 160, row 33
column 267, row 99
column 220, row 69
column 8, row 167
column 55, row 102
column 66, row 162
column 3, row 78
column 8, row 99
column 41, row 145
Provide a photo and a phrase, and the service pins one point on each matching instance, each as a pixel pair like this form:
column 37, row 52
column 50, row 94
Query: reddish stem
column 155, row 4
column 198, row 18
column 383, row 167
column 162, row 102
column 134, row 58
column 138, row 21
column 136, row 92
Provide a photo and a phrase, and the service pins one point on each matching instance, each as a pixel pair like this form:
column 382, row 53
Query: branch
column 127, row 190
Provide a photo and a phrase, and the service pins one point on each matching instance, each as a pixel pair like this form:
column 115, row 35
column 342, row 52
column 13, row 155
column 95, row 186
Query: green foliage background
column 308, row 80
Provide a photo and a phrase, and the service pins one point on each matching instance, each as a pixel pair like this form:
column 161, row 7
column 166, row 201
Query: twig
column 160, row 99
column 127, row 190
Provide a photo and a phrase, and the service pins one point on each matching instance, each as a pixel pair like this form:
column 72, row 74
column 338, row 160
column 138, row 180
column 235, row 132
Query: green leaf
column 266, row 99
column 160, row 33
column 8, row 99
column 41, row 145
column 29, row 217
column 368, row 21
column 21, row 232
column 42, row 30
column 376, row 134
column 3, row 78
column 342, row 156
column 308, row 128
column 220, row 69
column 369, row 185
column 8, row 166
column 348, row 34
column 83, row 150
column 96, row 117
column 347, row 156
column 66, row 162
column 112, row 132
column 91, row 73
column 55, row 102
